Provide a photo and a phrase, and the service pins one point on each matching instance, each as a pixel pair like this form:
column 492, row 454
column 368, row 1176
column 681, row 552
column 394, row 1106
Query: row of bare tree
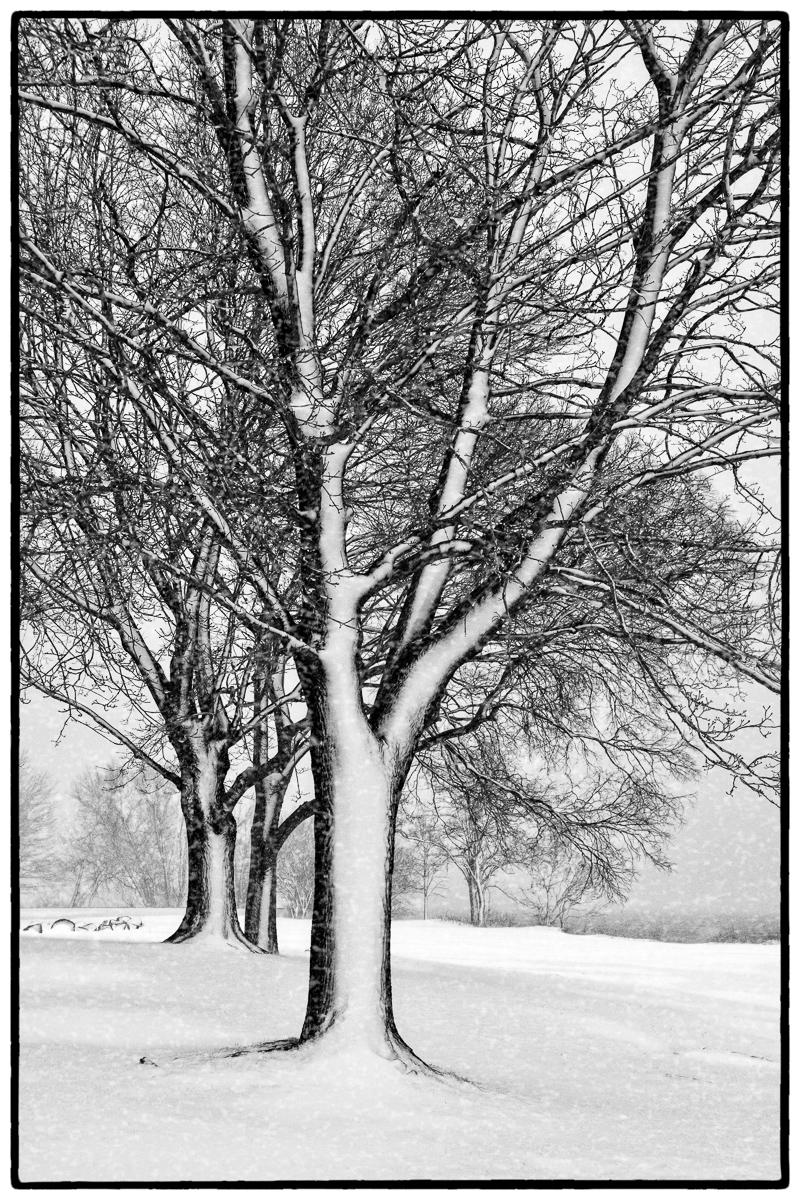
column 393, row 392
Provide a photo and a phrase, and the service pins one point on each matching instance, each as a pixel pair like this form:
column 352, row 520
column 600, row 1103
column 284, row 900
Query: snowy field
column 594, row 1058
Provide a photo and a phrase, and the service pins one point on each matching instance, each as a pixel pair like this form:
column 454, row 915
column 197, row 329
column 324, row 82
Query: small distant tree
column 296, row 872
column 559, row 883
column 38, row 843
column 127, row 844
column 404, row 877
column 477, row 845
column 420, row 856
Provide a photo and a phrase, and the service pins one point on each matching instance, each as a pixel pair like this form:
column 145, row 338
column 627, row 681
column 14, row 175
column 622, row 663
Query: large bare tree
column 496, row 288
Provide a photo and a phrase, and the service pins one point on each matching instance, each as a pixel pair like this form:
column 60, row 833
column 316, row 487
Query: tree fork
column 211, row 842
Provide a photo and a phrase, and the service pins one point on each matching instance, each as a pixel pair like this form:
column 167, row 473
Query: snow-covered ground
column 595, row 1058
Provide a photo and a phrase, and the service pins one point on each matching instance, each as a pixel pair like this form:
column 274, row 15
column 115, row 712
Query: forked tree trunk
column 211, row 841
column 477, row 897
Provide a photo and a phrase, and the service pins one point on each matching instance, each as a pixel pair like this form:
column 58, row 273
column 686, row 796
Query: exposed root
column 237, row 941
column 267, row 945
column 200, row 1057
column 280, row 1044
column 412, row 1064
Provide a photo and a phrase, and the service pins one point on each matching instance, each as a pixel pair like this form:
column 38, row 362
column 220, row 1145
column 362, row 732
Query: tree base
column 268, row 947
column 331, row 1045
column 234, row 939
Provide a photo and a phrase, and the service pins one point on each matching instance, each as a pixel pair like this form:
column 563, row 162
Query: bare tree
column 479, row 836
column 126, row 844
column 295, row 873
column 38, row 836
column 559, row 882
column 498, row 281
column 120, row 573
column 495, row 814
column 419, row 832
column 268, row 832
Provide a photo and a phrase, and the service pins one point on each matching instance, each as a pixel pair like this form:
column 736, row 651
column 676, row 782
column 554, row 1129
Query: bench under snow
column 68, row 924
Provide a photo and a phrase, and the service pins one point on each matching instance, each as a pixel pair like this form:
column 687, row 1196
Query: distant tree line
column 548, row 850
column 123, row 842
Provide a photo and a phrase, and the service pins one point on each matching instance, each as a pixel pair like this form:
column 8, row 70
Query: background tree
column 424, row 858
column 121, row 575
column 295, row 873
column 558, row 883
column 38, row 835
column 478, row 835
column 268, row 833
column 586, row 827
column 126, row 844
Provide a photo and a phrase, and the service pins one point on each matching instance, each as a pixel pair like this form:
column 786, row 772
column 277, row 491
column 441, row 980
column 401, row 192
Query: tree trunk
column 477, row 897
column 349, row 924
column 261, row 911
column 260, row 919
column 350, row 995
column 211, row 840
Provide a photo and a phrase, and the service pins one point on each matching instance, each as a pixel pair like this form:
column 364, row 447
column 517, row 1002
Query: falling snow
column 580, row 1057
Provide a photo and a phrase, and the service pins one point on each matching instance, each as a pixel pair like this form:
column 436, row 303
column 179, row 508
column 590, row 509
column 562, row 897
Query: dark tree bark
column 260, row 922
column 211, row 841
column 271, row 780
